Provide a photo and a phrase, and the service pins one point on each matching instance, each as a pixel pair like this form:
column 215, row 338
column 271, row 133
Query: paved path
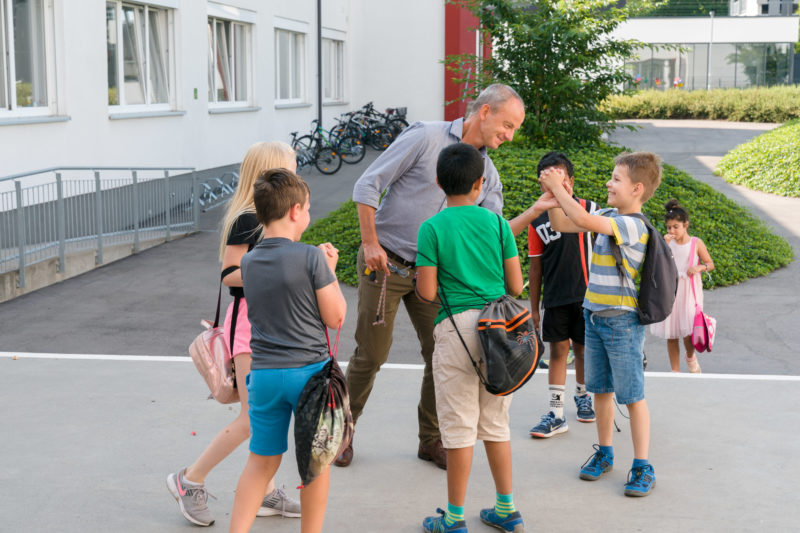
column 756, row 320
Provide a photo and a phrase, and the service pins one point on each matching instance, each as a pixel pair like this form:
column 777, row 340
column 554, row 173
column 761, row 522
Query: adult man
column 563, row 258
column 406, row 173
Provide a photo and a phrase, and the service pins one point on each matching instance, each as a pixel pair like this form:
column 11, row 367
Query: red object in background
column 459, row 38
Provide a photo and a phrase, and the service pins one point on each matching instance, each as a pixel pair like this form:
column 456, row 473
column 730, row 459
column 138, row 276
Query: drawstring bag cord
column 380, row 317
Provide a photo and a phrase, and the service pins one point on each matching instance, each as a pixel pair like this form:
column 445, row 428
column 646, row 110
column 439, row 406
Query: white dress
column 680, row 322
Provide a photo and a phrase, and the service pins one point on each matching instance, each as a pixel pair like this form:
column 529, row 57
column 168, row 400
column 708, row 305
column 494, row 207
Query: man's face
column 499, row 127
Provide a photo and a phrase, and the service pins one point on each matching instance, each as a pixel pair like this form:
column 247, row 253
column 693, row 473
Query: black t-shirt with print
column 565, row 259
column 244, row 231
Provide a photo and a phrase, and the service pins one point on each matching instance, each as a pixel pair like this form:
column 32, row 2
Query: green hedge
column 769, row 163
column 717, row 220
column 762, row 104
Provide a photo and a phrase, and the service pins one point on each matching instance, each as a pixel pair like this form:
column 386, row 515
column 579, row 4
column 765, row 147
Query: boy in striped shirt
column 614, row 338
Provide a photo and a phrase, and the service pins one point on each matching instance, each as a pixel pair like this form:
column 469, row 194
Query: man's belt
column 397, row 259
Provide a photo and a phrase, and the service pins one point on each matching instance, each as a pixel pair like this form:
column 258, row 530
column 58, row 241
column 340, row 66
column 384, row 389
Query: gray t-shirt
column 280, row 279
column 406, row 172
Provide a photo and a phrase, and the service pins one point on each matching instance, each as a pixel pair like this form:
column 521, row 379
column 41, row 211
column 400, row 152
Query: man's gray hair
column 494, row 95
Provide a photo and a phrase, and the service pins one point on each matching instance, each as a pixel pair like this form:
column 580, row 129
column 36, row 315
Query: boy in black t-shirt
column 562, row 260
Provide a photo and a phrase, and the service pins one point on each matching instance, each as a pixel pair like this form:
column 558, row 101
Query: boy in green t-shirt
column 458, row 257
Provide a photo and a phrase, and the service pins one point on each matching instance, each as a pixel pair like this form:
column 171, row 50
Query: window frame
column 294, row 29
column 169, row 44
column 249, row 63
column 339, row 65
column 8, row 64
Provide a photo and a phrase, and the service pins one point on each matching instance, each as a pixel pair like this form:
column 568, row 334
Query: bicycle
column 318, row 149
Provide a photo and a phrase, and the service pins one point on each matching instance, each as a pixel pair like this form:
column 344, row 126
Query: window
column 332, row 70
column 765, row 9
column 228, row 60
column 290, row 53
column 24, row 68
column 139, row 48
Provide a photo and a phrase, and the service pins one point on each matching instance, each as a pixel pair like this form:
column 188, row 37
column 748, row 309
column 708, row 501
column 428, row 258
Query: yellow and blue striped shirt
column 605, row 290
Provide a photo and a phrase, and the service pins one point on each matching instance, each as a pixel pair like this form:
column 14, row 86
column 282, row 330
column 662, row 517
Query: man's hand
column 537, row 321
column 331, row 255
column 375, row 258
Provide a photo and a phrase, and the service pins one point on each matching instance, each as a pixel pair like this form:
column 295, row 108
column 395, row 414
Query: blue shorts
column 614, row 356
column 273, row 395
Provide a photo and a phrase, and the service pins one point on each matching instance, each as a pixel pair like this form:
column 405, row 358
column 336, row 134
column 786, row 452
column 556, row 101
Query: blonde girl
column 678, row 325
column 240, row 232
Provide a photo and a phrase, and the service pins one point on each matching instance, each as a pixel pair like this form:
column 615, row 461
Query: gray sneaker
column 191, row 498
column 278, row 503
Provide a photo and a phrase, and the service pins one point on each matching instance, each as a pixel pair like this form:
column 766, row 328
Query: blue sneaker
column 512, row 522
column 548, row 426
column 641, row 481
column 585, row 411
column 435, row 524
column 596, row 465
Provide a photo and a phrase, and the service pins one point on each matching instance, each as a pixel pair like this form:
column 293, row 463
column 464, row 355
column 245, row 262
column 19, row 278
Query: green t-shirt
column 464, row 244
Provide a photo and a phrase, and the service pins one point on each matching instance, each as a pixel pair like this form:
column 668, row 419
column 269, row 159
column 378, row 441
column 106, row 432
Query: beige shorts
column 466, row 410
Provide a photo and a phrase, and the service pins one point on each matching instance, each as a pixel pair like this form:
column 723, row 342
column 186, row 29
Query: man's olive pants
column 373, row 342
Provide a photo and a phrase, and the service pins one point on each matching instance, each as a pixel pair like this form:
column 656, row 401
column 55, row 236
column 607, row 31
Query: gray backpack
column 659, row 279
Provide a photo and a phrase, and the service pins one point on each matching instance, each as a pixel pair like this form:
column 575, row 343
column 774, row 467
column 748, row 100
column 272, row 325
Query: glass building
column 713, row 66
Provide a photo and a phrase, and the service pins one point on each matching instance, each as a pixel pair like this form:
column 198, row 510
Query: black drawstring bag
column 323, row 424
column 511, row 344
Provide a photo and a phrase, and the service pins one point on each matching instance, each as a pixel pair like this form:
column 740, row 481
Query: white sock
column 580, row 389
column 187, row 481
column 557, row 400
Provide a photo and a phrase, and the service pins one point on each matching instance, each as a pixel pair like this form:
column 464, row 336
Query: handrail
column 55, row 169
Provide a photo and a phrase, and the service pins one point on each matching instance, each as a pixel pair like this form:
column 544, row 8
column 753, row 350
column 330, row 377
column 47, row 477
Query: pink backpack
column 705, row 327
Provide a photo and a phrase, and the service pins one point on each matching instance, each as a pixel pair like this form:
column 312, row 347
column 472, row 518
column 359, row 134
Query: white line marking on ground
column 392, row 366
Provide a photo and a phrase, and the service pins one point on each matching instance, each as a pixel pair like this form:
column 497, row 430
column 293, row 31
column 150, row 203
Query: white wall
column 397, row 51
column 698, row 29
column 393, row 58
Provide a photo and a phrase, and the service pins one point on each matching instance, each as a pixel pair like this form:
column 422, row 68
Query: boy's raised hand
column 331, row 255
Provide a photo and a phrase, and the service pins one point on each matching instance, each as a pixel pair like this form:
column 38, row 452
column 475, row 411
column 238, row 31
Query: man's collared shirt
column 406, row 171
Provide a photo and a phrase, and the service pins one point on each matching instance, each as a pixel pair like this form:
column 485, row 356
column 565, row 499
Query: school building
column 195, row 82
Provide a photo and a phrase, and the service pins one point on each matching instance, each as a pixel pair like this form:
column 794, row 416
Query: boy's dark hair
column 644, row 168
column 459, row 166
column 275, row 192
column 675, row 211
column 555, row 159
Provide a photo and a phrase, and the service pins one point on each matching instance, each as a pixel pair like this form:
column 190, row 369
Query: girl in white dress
column 678, row 325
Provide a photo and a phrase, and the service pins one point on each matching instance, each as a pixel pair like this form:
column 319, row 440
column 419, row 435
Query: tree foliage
column 559, row 55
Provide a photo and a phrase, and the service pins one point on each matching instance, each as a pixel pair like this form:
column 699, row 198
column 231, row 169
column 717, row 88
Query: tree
column 559, row 55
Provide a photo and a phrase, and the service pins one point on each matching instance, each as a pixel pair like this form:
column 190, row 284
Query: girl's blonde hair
column 259, row 157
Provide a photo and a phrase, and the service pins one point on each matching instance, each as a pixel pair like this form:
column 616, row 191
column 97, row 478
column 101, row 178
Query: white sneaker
column 278, row 503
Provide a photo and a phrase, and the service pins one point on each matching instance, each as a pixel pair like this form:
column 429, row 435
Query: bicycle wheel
column 351, row 149
column 302, row 143
column 328, row 161
column 397, row 125
column 380, row 137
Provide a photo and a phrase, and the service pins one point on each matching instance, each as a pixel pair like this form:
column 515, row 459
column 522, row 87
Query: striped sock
column 454, row 514
column 504, row 505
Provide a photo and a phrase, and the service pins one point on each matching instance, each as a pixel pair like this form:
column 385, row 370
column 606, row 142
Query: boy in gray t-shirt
column 292, row 295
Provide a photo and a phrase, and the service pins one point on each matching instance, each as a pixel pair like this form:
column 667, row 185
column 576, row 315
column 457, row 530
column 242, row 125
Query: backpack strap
column 692, row 251
column 234, row 311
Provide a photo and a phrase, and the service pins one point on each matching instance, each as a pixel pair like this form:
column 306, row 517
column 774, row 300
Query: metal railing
column 55, row 212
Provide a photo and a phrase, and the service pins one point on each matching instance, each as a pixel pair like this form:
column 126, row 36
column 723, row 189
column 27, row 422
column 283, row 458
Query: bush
column 718, row 221
column 769, row 163
column 761, row 104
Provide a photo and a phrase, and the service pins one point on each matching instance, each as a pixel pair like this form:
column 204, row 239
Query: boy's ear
column 478, row 184
column 293, row 211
